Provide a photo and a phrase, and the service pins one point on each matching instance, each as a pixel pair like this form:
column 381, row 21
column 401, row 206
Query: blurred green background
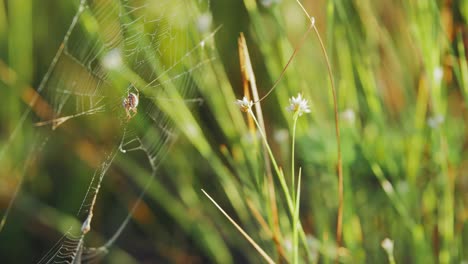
column 401, row 71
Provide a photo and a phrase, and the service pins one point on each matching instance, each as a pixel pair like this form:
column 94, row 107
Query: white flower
column 269, row 3
column 349, row 115
column 298, row 105
column 387, row 245
column 435, row 121
column 244, row 104
column 312, row 21
column 204, row 22
column 438, row 74
column 281, row 135
column 112, row 60
column 288, row 244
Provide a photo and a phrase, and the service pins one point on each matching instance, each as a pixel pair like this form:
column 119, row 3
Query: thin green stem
column 339, row 222
column 293, row 151
column 296, row 49
column 296, row 204
column 284, row 186
column 296, row 222
column 275, row 165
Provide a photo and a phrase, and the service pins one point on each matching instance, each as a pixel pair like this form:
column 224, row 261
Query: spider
column 130, row 103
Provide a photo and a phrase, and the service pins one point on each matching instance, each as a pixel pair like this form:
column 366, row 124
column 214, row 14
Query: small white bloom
column 269, row 3
column 281, row 135
column 312, row 21
column 349, row 115
column 438, row 74
column 112, row 60
column 204, row 22
column 387, row 245
column 244, row 104
column 299, row 105
column 435, row 121
column 387, row 186
column 251, row 138
column 288, row 244
column 191, row 129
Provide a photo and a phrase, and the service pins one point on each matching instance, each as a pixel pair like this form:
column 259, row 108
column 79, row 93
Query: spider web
column 112, row 48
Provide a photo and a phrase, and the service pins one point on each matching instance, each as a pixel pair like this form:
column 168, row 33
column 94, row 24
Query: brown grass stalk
column 248, row 78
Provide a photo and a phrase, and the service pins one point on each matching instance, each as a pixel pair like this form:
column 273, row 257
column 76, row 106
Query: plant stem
column 296, row 203
column 292, row 152
column 296, row 49
column 296, row 222
column 339, row 222
column 249, row 239
column 275, row 166
column 283, row 184
column 249, row 77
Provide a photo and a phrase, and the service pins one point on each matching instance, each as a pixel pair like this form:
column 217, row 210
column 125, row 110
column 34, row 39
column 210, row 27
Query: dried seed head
column 244, row 104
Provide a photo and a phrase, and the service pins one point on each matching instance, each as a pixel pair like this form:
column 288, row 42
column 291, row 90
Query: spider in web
column 130, row 104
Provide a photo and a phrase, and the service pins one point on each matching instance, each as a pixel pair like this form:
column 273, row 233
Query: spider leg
column 128, row 114
column 136, row 90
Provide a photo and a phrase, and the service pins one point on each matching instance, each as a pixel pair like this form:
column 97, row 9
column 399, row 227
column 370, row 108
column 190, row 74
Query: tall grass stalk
column 339, row 222
column 279, row 172
column 248, row 77
column 296, row 221
column 292, row 205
